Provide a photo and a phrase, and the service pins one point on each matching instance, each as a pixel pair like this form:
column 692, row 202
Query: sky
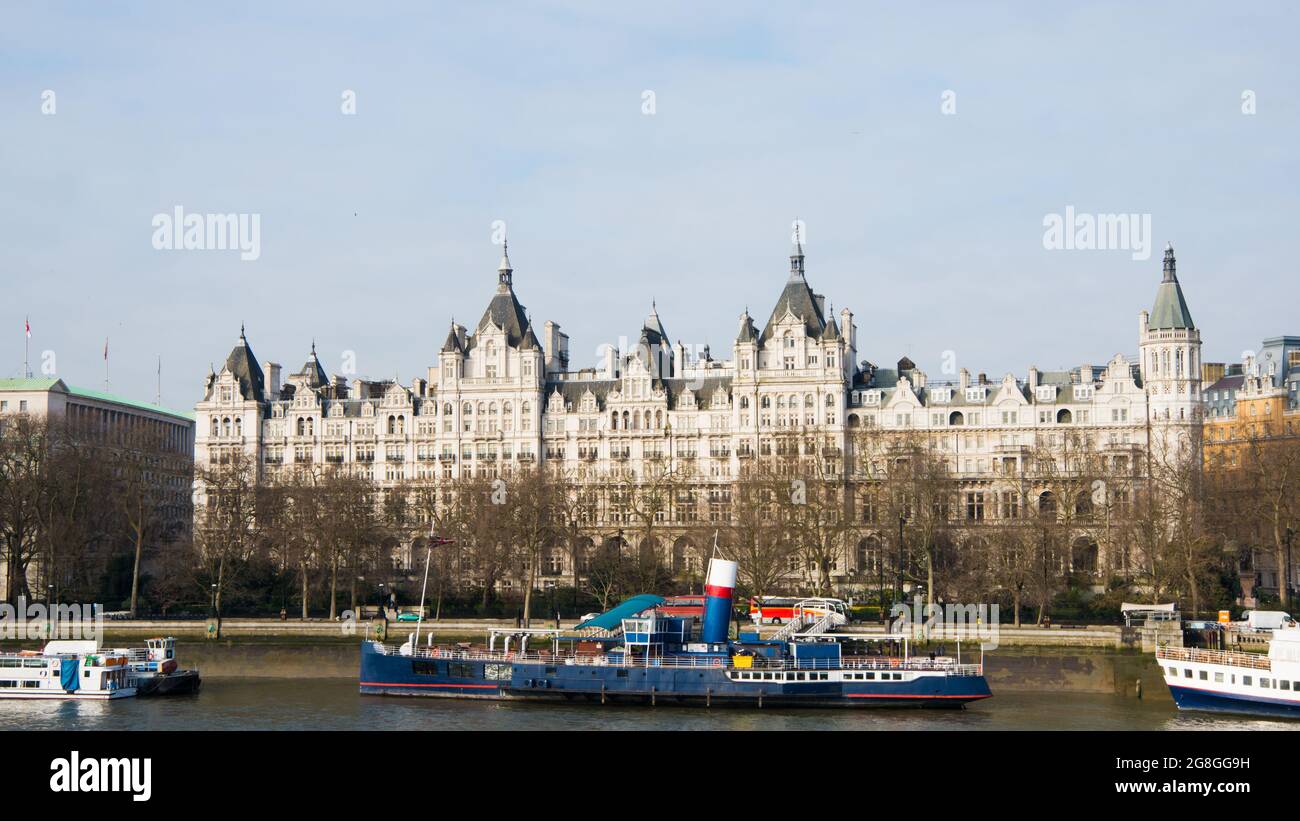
column 923, row 146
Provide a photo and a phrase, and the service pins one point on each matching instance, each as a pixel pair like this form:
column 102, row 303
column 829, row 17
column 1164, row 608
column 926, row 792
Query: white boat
column 66, row 670
column 1231, row 682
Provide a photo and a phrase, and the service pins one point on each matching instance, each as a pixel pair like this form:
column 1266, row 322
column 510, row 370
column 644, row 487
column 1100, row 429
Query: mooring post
column 652, row 696
column 1139, row 689
column 760, row 699
column 708, row 696
column 602, row 693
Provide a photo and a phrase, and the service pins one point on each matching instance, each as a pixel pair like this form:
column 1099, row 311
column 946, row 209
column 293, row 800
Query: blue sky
column 376, row 228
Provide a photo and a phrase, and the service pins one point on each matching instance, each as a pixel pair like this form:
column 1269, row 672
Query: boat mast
column 428, row 554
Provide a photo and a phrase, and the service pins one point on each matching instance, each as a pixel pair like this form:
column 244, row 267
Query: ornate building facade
column 501, row 396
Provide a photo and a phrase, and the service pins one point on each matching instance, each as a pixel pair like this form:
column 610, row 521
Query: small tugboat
column 1235, row 682
column 656, row 659
column 153, row 669
column 66, row 670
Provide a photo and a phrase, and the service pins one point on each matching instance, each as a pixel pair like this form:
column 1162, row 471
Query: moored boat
column 75, row 670
column 1236, row 682
column 154, row 671
column 658, row 659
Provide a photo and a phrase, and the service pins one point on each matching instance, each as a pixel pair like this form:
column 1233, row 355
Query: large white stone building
column 503, row 394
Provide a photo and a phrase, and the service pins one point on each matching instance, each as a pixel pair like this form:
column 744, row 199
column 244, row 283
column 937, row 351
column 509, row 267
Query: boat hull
column 390, row 674
column 60, row 695
column 178, row 683
column 1203, row 700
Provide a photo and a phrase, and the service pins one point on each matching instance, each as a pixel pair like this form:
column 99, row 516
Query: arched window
column 392, row 424
column 446, row 409
column 1064, row 417
column 401, row 424
column 808, row 401
column 216, row 426
column 789, row 339
column 311, row 423
column 302, row 426
column 468, row 409
column 956, row 418
column 1047, row 503
column 239, row 426
column 613, row 420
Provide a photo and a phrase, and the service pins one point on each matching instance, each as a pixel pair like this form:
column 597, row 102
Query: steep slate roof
column 799, row 298
column 748, row 333
column 453, row 343
column 312, row 370
column 243, row 365
column 529, row 341
column 1227, row 383
column 1170, row 311
column 504, row 310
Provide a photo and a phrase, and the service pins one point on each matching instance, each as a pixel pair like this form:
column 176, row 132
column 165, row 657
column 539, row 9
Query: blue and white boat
column 1233, row 682
column 656, row 659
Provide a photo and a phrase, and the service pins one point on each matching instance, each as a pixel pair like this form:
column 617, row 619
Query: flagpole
column 157, row 399
column 105, row 363
column 27, row 346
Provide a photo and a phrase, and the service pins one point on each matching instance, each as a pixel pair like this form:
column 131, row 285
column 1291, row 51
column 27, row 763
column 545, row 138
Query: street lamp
column 1289, row 534
column 902, row 519
column 214, row 599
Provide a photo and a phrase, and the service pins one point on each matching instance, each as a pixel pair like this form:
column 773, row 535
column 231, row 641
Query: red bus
column 781, row 609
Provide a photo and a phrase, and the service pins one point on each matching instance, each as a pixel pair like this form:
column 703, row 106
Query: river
column 334, row 704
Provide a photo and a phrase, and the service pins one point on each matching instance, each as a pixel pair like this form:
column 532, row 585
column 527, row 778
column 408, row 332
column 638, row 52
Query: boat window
column 1218, row 677
column 870, row 676
column 1187, row 673
column 1247, row 680
column 1284, row 685
column 801, row 676
column 8, row 684
column 1263, row 683
column 1204, row 675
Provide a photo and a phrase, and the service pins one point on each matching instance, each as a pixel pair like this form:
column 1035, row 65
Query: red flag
column 105, row 349
column 27, row 325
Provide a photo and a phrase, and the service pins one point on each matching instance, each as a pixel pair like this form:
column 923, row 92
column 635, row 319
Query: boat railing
column 758, row 663
column 1251, row 660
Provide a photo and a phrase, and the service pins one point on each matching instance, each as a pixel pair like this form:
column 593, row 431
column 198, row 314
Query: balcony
column 365, row 457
